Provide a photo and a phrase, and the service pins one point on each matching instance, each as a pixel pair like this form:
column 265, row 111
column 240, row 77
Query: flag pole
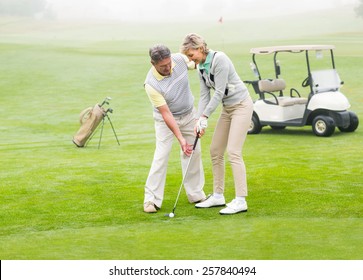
column 220, row 22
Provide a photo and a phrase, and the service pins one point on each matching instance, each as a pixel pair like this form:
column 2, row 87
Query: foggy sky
column 185, row 10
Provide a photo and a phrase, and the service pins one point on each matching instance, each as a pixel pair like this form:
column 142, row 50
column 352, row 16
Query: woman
column 216, row 71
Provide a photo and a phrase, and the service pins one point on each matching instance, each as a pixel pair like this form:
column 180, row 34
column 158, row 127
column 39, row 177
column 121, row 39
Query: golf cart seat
column 271, row 85
column 325, row 80
column 277, row 85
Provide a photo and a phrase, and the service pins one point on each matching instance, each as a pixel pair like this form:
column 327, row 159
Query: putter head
column 170, row 215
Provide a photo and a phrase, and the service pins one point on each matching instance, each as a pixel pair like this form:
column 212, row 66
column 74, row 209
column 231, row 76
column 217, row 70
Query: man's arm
column 159, row 103
column 155, row 97
column 190, row 64
column 173, row 126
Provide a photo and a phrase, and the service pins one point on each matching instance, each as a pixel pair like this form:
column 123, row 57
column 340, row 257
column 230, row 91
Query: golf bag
column 89, row 118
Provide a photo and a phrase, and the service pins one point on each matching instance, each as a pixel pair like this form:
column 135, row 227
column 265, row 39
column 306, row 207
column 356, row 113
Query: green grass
column 61, row 202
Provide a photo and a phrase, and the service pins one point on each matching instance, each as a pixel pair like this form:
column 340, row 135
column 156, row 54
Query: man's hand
column 173, row 126
column 186, row 148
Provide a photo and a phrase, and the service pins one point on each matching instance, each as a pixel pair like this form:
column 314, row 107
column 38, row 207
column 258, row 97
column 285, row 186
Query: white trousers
column 194, row 180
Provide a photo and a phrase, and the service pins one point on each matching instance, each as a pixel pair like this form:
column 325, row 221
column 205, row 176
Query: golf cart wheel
column 255, row 126
column 323, row 126
column 354, row 122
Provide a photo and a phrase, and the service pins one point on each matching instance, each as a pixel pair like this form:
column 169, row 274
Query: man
column 167, row 87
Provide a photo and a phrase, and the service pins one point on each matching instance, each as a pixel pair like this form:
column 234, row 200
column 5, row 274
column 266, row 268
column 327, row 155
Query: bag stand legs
column 105, row 115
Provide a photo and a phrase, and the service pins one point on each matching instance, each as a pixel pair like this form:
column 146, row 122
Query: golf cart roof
column 294, row 48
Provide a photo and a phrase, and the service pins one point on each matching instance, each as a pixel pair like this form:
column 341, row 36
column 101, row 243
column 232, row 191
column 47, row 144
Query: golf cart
column 323, row 107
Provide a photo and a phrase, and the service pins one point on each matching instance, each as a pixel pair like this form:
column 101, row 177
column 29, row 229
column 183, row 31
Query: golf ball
column 171, row 215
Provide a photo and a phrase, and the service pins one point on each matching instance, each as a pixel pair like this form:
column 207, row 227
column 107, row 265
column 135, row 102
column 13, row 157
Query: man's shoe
column 234, row 207
column 211, row 201
column 150, row 207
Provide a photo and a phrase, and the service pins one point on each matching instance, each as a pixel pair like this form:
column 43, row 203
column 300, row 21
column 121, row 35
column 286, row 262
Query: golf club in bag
column 89, row 119
column 171, row 214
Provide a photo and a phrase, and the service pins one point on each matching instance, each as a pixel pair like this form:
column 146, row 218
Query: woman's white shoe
column 211, row 201
column 234, row 207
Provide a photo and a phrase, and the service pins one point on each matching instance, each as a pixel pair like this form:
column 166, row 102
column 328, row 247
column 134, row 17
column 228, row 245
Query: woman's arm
column 221, row 71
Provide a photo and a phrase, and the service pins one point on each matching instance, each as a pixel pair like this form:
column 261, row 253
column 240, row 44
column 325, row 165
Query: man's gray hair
column 158, row 53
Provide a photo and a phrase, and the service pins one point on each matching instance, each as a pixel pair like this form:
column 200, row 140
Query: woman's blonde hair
column 193, row 41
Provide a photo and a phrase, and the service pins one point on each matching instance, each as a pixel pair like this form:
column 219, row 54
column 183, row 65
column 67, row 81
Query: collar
column 161, row 77
column 206, row 65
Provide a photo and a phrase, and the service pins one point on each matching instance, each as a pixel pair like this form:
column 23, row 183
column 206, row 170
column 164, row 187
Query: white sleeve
column 191, row 65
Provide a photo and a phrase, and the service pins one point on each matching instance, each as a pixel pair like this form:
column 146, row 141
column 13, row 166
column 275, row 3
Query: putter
column 171, row 214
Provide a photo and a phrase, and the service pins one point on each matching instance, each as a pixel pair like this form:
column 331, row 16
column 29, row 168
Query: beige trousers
column 230, row 134
column 194, row 180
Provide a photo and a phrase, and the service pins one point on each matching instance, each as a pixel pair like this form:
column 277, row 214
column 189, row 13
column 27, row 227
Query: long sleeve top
column 222, row 77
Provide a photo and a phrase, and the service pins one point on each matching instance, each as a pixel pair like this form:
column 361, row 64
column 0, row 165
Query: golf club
column 106, row 101
column 171, row 214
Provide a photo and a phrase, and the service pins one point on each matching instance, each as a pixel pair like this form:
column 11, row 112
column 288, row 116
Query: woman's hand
column 200, row 126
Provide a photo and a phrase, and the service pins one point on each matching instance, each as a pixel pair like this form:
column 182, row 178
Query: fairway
column 61, row 202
